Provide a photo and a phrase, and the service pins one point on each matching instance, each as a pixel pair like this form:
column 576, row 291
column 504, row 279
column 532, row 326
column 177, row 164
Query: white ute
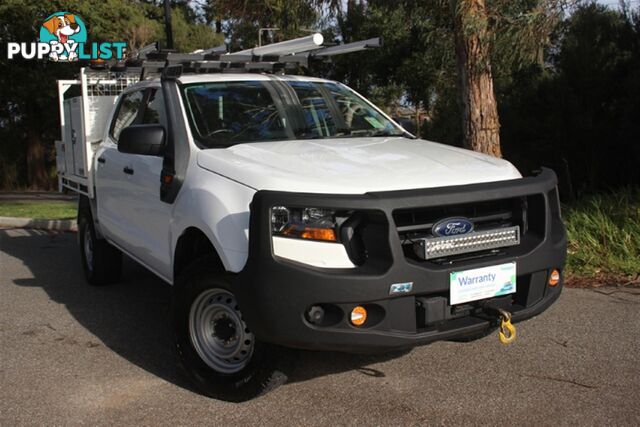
column 289, row 211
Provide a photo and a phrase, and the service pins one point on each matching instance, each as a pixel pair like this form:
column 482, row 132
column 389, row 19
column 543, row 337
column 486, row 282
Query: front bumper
column 275, row 294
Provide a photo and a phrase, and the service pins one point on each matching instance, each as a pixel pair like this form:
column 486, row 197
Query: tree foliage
column 419, row 55
column 242, row 19
column 29, row 120
column 580, row 114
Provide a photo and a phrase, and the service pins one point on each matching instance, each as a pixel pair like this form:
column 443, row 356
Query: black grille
column 412, row 223
column 417, row 223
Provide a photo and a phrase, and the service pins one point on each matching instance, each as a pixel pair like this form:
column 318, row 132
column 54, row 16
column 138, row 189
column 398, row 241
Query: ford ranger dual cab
column 289, row 211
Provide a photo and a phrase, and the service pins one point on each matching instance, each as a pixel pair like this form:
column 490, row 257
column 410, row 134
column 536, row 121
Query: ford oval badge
column 452, row 227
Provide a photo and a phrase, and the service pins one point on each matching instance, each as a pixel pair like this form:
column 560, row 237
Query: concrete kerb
column 41, row 224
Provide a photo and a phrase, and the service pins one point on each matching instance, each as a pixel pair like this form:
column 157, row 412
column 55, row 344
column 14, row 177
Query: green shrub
column 604, row 234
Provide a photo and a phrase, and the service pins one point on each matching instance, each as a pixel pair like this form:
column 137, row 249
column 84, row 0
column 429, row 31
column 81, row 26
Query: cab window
column 154, row 112
column 127, row 112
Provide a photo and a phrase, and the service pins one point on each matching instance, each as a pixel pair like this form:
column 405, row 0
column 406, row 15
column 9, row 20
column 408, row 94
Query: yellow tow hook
column 506, row 332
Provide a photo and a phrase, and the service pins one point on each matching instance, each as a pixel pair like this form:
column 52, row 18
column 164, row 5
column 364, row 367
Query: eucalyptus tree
column 432, row 46
column 517, row 31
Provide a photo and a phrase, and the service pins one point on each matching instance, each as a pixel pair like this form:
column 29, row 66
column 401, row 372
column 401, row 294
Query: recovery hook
column 506, row 330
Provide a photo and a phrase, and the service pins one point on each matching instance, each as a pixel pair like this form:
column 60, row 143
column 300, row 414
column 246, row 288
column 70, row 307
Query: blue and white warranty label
column 482, row 283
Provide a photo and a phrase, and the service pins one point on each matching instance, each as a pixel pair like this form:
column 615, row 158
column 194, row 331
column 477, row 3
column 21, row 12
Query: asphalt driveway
column 71, row 354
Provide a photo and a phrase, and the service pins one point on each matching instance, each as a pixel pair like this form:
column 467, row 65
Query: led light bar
column 436, row 247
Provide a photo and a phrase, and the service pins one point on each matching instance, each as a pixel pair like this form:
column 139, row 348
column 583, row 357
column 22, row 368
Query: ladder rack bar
column 347, row 48
column 301, row 44
column 276, row 57
column 218, row 50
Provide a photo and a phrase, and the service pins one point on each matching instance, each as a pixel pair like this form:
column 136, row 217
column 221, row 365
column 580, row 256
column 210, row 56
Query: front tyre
column 215, row 347
column 217, row 332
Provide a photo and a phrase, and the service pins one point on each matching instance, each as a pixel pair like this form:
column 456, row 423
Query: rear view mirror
column 147, row 140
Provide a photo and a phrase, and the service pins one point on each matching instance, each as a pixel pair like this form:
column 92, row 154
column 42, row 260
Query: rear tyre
column 215, row 347
column 101, row 262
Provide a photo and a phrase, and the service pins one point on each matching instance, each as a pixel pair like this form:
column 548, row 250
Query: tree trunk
column 418, row 122
column 37, row 175
column 481, row 125
column 167, row 23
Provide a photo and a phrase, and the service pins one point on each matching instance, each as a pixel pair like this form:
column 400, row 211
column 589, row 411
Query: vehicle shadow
column 133, row 317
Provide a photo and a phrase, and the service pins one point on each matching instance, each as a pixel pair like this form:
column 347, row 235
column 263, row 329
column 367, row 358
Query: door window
column 127, row 112
column 154, row 112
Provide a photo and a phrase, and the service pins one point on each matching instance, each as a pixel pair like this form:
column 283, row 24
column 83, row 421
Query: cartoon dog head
column 62, row 26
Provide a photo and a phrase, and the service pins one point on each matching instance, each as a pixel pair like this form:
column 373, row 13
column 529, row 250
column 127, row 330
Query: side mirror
column 147, row 140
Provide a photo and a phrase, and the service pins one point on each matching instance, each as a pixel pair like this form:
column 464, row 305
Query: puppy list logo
column 63, row 37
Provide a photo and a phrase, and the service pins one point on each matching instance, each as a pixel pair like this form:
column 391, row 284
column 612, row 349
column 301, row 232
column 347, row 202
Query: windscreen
column 222, row 114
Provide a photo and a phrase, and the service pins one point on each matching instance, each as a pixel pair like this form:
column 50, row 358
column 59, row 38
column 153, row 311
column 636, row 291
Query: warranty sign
column 482, row 283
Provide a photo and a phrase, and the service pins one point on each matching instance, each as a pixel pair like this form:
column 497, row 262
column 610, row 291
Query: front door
column 128, row 187
column 149, row 215
column 111, row 180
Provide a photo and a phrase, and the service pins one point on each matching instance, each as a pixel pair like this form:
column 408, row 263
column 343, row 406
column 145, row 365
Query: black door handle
column 102, row 160
column 128, row 170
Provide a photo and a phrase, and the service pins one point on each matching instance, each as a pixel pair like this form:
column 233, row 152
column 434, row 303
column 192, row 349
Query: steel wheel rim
column 88, row 249
column 218, row 333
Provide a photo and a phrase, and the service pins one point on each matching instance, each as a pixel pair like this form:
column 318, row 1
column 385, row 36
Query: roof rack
column 151, row 61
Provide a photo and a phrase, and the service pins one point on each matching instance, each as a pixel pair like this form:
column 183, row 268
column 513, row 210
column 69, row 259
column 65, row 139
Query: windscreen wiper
column 383, row 132
column 307, row 133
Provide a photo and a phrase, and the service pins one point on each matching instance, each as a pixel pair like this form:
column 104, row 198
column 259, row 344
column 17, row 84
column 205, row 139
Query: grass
column 39, row 210
column 604, row 237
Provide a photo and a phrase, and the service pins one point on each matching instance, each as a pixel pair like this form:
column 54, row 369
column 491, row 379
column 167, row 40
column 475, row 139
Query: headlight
column 305, row 223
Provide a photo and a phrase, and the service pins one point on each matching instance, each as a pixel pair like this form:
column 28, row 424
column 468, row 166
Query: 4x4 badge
column 400, row 288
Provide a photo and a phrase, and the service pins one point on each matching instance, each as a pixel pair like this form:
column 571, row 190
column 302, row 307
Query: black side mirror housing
column 147, row 140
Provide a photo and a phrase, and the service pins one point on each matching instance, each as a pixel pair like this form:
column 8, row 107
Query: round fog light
column 554, row 277
column 358, row 316
column 315, row 315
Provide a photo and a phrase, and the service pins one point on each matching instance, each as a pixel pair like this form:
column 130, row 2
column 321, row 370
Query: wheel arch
column 217, row 208
column 192, row 244
column 89, row 205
